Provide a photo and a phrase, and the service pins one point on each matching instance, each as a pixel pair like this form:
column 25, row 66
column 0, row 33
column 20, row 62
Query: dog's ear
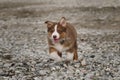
column 49, row 23
column 63, row 22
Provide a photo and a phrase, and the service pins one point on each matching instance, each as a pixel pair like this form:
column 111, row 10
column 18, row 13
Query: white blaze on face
column 55, row 33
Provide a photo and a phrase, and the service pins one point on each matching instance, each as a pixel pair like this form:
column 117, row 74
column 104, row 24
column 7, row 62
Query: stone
column 53, row 69
column 44, row 72
column 77, row 65
column 77, row 71
column 83, row 62
column 7, row 64
column 58, row 67
column 37, row 78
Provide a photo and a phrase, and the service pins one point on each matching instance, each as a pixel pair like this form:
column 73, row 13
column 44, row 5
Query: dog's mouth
column 56, row 40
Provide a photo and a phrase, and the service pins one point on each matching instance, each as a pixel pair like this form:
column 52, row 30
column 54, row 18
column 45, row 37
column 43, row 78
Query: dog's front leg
column 54, row 54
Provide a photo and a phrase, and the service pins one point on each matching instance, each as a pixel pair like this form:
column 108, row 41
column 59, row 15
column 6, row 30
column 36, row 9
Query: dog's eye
column 50, row 30
column 60, row 31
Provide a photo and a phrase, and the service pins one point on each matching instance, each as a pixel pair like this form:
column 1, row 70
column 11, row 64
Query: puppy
column 62, row 36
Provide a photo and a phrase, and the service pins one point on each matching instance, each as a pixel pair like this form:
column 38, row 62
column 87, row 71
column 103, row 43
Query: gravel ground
column 24, row 49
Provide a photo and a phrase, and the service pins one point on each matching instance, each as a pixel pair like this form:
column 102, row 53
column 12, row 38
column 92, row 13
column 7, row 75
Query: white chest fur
column 60, row 47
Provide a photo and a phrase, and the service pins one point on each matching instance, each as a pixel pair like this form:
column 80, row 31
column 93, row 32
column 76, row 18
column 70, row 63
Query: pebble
column 53, row 69
column 58, row 67
column 33, row 69
column 107, row 69
column 50, row 78
column 33, row 62
column 1, row 64
column 77, row 65
column 77, row 71
column 37, row 78
column 89, row 76
column 7, row 65
column 43, row 72
column 5, row 78
column 65, row 65
column 7, row 56
column 83, row 62
column 17, row 72
column 92, row 56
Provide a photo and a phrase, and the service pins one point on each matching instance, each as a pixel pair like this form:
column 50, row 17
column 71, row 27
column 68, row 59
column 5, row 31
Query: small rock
column 12, row 68
column 33, row 62
column 49, row 78
column 7, row 64
column 70, row 70
column 83, row 62
column 33, row 69
column 1, row 70
column 89, row 76
column 45, row 60
column 39, row 65
column 92, row 56
column 82, row 78
column 57, row 67
column 1, row 64
column 65, row 65
column 83, row 71
column 107, row 69
column 7, row 56
column 6, row 78
column 53, row 69
column 77, row 65
column 77, row 71
column 1, row 78
column 19, row 64
column 17, row 72
column 44, row 72
column 37, row 78
column 80, row 56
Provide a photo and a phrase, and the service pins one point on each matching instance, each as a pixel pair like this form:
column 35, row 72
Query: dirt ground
column 23, row 39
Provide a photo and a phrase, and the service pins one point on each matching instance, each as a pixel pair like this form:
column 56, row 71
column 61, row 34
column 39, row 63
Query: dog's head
column 56, row 30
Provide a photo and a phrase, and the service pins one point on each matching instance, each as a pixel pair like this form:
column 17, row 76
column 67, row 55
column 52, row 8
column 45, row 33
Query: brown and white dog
column 62, row 36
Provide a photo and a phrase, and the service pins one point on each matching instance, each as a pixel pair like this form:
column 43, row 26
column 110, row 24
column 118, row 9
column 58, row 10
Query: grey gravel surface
column 23, row 41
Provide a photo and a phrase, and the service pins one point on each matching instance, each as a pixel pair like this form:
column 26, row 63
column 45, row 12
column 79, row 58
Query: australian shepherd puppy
column 62, row 36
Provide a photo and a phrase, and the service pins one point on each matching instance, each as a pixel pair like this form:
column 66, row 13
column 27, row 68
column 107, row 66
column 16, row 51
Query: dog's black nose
column 54, row 36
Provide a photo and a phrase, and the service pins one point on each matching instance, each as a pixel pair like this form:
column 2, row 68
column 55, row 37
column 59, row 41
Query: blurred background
column 23, row 39
column 96, row 13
